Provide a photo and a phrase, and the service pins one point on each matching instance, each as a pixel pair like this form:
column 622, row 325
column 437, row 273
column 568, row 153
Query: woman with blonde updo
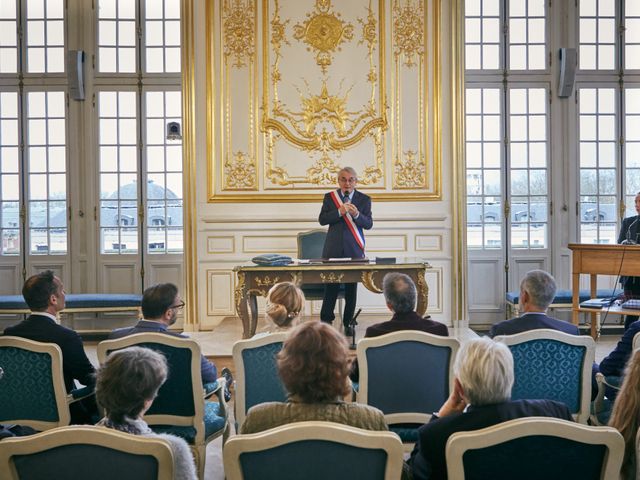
column 284, row 305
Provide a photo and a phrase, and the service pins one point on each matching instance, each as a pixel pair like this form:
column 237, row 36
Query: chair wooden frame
column 91, row 435
column 240, row 409
column 57, row 377
column 577, row 340
column 459, row 443
column 313, row 430
column 362, row 396
column 197, row 420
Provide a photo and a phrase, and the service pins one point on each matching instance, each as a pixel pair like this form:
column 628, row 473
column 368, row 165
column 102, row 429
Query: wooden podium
column 594, row 260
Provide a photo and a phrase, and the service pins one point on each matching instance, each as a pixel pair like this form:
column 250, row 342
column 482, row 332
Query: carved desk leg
column 253, row 311
column 242, row 307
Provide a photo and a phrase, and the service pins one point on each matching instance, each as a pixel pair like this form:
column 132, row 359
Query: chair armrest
column 211, row 388
column 612, row 381
column 80, row 393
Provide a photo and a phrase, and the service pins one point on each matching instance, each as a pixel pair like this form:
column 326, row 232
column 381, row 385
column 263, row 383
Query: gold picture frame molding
column 433, row 8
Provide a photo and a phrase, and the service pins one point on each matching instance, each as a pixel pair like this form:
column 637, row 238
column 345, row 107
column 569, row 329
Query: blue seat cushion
column 566, row 296
column 12, row 302
column 99, row 300
column 79, row 300
column 213, row 423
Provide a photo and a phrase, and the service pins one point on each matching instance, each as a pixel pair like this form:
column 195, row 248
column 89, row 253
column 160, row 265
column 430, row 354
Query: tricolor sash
column 353, row 228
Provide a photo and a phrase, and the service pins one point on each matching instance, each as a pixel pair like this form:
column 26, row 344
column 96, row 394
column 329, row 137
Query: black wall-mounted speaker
column 75, row 74
column 568, row 64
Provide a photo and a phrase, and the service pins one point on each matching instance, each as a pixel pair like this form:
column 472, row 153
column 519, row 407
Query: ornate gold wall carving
column 323, row 98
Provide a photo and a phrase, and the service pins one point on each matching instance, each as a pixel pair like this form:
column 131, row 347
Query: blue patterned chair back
column 262, row 382
column 313, row 451
column 534, row 448
column 408, row 376
column 28, row 392
column 552, row 365
column 311, row 243
column 98, row 453
column 257, row 379
column 175, row 396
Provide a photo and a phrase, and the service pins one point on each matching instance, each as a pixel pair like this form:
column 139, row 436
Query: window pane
column 117, row 37
column 119, row 186
column 45, row 36
column 597, row 35
column 47, row 190
column 164, row 174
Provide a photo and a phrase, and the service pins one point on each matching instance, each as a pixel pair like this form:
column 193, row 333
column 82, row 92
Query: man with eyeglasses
column 160, row 306
column 347, row 212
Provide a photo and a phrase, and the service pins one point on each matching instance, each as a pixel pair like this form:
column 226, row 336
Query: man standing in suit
column 537, row 291
column 400, row 294
column 160, row 305
column 348, row 213
column 45, row 296
column 481, row 398
column 629, row 232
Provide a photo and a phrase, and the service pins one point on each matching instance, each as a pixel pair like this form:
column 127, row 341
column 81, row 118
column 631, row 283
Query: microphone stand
column 353, row 324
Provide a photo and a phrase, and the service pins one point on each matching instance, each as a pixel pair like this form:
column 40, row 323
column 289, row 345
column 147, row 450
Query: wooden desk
column 257, row 280
column 594, row 260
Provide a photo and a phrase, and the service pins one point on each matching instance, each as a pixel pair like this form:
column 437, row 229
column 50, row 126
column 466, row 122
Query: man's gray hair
column 399, row 292
column 351, row 170
column 484, row 368
column 540, row 286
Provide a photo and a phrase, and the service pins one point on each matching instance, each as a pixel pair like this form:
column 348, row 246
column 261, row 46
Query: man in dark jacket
column 160, row 305
column 45, row 296
column 347, row 212
column 537, row 291
column 481, row 398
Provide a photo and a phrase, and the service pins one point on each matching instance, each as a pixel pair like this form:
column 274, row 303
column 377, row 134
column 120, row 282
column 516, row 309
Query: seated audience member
column 127, row 384
column 537, row 291
column 613, row 364
column 626, row 414
column 45, row 296
column 314, row 366
column 401, row 296
column 481, row 396
column 160, row 305
column 284, row 305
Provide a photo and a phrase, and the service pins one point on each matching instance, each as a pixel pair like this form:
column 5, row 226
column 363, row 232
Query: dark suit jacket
column 629, row 231
column 614, row 363
column 75, row 364
column 207, row 368
column 340, row 242
column 428, row 456
column 401, row 321
column 532, row 321
column 407, row 321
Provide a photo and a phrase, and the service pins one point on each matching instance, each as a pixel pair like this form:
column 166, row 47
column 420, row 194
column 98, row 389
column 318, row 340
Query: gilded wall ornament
column 323, row 31
column 240, row 172
column 408, row 31
column 331, row 277
column 238, row 25
column 409, row 172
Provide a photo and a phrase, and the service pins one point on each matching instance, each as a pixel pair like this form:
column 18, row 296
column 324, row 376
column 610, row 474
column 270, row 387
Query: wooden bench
column 563, row 299
column 79, row 303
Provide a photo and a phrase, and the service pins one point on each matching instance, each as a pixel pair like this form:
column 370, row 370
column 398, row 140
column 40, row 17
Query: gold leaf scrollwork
column 238, row 30
column 369, row 282
column 238, row 292
column 323, row 31
column 266, row 281
column 240, row 172
column 408, row 28
column 409, row 172
column 331, row 277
